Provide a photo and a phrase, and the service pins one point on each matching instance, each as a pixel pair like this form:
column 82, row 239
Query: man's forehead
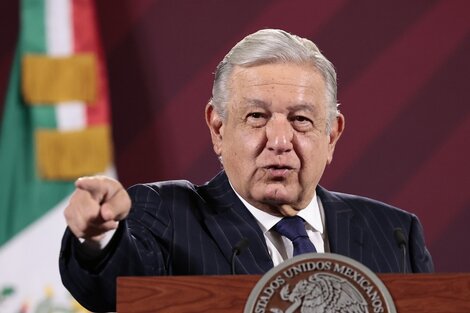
column 282, row 76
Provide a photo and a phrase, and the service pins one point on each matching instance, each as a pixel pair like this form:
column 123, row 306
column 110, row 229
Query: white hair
column 268, row 46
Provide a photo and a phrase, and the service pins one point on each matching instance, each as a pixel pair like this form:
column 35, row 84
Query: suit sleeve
column 420, row 258
column 139, row 247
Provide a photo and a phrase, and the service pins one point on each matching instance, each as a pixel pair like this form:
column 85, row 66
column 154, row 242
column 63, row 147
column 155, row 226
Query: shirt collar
column 311, row 215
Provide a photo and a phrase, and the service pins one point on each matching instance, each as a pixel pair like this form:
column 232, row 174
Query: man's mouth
column 278, row 171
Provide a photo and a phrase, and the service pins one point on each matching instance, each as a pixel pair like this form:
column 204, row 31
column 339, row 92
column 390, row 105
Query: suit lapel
column 228, row 222
column 345, row 235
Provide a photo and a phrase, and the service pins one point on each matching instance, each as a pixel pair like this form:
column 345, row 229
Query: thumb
column 116, row 207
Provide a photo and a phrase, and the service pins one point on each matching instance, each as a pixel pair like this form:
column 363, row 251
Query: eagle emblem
column 323, row 293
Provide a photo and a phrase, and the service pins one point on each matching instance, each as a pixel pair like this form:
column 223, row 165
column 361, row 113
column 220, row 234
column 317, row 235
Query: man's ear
column 215, row 123
column 337, row 128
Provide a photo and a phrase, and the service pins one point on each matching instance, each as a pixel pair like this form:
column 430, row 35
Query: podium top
column 417, row 293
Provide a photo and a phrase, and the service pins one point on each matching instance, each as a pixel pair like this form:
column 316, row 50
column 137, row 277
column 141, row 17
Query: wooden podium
column 411, row 293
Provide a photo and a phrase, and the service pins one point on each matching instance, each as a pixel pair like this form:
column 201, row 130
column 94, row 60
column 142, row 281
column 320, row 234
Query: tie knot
column 291, row 227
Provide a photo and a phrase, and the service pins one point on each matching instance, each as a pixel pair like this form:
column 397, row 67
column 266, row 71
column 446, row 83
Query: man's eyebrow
column 304, row 106
column 257, row 103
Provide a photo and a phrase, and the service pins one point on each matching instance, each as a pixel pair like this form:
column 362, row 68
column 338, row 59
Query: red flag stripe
column 85, row 33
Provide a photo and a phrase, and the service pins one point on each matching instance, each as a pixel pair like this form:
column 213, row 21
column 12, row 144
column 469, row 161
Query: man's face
column 273, row 141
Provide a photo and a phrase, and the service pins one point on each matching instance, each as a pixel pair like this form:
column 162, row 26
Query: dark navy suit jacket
column 178, row 228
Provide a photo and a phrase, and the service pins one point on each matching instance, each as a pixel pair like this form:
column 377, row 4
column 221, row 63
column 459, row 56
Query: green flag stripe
column 33, row 40
column 24, row 197
column 43, row 116
column 13, row 137
column 32, row 27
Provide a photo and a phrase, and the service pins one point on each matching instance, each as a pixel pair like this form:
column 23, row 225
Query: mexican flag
column 55, row 129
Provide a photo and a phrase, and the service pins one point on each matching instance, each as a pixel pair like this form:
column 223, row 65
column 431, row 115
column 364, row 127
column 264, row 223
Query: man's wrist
column 90, row 249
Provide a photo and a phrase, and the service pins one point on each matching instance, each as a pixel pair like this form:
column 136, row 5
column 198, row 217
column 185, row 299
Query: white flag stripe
column 71, row 115
column 29, row 262
column 59, row 32
column 34, row 250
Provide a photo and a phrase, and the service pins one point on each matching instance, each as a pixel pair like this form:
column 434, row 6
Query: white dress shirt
column 279, row 247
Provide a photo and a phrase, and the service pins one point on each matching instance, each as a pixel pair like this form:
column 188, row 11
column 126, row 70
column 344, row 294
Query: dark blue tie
column 293, row 228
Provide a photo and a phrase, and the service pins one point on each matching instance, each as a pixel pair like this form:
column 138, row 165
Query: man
column 274, row 124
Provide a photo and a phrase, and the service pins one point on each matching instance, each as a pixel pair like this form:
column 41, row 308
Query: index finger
column 101, row 188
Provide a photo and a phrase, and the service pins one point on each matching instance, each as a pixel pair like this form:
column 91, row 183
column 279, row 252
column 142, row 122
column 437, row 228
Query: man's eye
column 256, row 115
column 257, row 119
column 301, row 123
column 301, row 119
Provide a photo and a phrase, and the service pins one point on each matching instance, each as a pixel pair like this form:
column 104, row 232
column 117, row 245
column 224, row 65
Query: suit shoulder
column 364, row 205
column 175, row 191
column 163, row 189
column 166, row 185
column 180, row 190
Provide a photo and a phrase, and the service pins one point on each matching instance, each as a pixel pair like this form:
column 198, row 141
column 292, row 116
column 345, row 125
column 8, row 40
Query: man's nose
column 279, row 135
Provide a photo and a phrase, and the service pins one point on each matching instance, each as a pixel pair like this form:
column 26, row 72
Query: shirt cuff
column 91, row 249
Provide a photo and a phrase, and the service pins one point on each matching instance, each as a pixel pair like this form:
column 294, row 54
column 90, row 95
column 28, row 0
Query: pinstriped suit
column 177, row 228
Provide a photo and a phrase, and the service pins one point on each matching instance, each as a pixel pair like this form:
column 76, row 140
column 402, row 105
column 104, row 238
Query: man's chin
column 279, row 195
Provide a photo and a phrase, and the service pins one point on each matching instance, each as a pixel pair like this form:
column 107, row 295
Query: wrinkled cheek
column 311, row 170
column 258, row 174
column 256, row 183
